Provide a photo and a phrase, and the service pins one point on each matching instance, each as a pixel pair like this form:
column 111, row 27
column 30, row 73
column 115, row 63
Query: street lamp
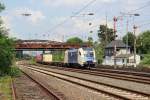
column 90, row 14
column 134, row 31
column 26, row 14
column 81, row 15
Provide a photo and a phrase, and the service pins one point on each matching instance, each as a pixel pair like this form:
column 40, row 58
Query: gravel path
column 26, row 89
column 71, row 91
column 116, row 82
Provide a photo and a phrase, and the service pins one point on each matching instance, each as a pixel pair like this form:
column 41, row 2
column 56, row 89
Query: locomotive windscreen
column 88, row 49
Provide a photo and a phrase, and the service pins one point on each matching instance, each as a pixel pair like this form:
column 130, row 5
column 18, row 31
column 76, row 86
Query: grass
column 5, row 81
column 5, row 88
column 32, row 61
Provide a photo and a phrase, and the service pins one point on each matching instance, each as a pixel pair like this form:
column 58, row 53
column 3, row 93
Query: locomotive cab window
column 89, row 54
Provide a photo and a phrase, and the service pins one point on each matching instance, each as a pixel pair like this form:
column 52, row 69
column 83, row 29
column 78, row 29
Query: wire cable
column 78, row 12
column 142, row 7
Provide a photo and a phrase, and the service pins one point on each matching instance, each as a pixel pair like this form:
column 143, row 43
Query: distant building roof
column 117, row 43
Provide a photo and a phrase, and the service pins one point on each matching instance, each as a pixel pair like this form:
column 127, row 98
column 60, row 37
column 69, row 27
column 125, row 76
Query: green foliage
column 6, row 51
column 143, row 42
column 6, row 48
column 146, row 60
column 90, row 40
column 75, row 40
column 130, row 38
column 99, row 52
column 58, row 56
column 14, row 72
column 11, row 71
column 106, row 35
column 2, row 7
column 32, row 61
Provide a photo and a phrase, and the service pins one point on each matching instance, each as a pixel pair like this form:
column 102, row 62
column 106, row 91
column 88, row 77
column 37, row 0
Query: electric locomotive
column 83, row 57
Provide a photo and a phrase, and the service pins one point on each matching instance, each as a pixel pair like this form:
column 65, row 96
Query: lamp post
column 134, row 32
column 134, row 27
column 84, row 14
column 26, row 14
column 115, row 19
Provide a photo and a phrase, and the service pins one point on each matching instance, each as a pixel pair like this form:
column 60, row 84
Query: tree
column 2, row 7
column 75, row 40
column 99, row 52
column 130, row 38
column 106, row 35
column 143, row 42
column 146, row 60
column 6, row 45
column 90, row 40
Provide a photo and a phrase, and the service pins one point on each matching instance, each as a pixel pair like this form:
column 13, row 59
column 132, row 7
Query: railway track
column 135, row 73
column 112, row 91
column 116, row 74
column 53, row 94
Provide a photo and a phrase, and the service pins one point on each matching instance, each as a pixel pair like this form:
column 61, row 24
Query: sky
column 59, row 20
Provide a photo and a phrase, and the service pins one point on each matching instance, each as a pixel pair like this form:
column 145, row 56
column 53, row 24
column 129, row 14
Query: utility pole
column 127, row 24
column 106, row 32
column 134, row 28
column 115, row 21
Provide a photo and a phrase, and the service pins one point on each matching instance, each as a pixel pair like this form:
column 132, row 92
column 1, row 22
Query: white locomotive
column 84, row 57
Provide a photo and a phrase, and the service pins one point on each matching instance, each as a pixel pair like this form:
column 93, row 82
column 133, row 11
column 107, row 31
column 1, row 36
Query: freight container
column 39, row 58
column 47, row 58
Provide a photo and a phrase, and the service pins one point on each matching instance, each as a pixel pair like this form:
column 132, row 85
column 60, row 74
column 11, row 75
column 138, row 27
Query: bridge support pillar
column 43, row 51
column 19, row 54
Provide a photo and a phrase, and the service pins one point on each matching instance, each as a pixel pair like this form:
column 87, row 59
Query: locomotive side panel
column 73, row 56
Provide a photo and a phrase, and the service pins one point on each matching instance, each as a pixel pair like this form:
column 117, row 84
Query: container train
column 81, row 57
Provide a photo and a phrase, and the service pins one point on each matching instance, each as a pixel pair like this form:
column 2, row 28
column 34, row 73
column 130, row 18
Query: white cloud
column 6, row 22
column 36, row 16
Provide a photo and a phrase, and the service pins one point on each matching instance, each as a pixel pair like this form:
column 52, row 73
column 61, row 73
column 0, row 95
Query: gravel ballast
column 26, row 89
column 116, row 82
column 71, row 91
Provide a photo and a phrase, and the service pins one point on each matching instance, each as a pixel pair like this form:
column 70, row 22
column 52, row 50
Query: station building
column 118, row 53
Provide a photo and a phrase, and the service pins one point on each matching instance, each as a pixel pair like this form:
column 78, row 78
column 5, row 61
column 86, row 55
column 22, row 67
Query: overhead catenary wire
column 86, row 6
column 68, row 18
column 142, row 7
column 143, row 24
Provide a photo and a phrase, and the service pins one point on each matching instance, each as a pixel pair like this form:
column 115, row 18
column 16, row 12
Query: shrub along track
column 112, row 91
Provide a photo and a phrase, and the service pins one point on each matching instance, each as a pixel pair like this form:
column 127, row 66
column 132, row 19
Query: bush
column 14, row 72
column 11, row 71
column 146, row 60
column 32, row 61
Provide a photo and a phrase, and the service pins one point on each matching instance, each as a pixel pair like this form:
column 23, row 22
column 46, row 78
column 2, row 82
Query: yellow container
column 47, row 57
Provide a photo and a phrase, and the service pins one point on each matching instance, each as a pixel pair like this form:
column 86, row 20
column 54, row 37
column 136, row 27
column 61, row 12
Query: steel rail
column 46, row 89
column 110, row 93
column 127, row 77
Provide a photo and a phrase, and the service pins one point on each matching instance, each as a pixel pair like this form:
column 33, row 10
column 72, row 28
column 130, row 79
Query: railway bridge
column 43, row 45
